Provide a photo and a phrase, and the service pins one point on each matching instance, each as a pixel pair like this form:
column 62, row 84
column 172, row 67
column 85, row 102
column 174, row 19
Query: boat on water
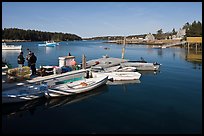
column 23, row 93
column 49, row 44
column 75, row 87
column 118, row 76
column 141, row 65
column 11, row 47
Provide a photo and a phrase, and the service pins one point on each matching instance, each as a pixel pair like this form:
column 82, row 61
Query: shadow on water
column 18, row 109
column 65, row 100
column 22, row 108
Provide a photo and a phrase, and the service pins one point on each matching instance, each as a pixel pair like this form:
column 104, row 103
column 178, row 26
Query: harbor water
column 168, row 101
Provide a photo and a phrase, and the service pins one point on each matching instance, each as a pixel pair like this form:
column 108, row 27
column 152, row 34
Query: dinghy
column 75, row 87
column 23, row 93
column 118, row 76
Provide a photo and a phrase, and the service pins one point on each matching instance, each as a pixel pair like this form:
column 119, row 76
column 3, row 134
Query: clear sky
column 91, row 19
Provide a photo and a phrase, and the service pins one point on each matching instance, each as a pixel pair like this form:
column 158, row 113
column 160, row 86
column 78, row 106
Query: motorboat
column 11, row 47
column 118, row 76
column 139, row 65
column 24, row 92
column 49, row 44
column 75, row 87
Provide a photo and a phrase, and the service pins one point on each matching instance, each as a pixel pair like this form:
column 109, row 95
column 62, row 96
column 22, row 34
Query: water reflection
column 193, row 57
column 20, row 109
column 62, row 101
column 123, row 82
column 149, row 72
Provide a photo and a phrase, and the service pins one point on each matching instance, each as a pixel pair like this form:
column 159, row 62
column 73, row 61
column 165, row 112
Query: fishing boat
column 11, row 47
column 23, row 93
column 76, row 87
column 49, row 44
column 118, row 76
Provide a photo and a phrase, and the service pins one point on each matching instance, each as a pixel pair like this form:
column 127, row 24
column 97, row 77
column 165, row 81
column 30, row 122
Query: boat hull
column 118, row 76
column 66, row 89
column 23, row 93
column 141, row 66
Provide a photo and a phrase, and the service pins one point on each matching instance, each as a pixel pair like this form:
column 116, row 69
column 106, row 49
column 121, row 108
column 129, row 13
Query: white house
column 149, row 37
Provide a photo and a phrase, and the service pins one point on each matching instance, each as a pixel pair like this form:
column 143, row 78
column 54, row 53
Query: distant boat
column 49, row 44
column 11, row 47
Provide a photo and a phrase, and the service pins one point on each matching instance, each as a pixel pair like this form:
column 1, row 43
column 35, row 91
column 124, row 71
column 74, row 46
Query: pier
column 174, row 44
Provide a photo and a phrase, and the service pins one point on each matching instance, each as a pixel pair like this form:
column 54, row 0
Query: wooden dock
column 48, row 79
column 173, row 44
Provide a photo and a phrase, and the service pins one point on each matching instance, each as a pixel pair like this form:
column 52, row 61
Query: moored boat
column 118, row 76
column 49, row 44
column 141, row 65
column 76, row 87
column 23, row 93
column 11, row 47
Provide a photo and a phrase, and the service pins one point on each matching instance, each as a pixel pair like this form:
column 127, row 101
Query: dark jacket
column 21, row 59
column 33, row 59
column 28, row 59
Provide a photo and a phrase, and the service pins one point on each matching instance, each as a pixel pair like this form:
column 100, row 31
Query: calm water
column 169, row 101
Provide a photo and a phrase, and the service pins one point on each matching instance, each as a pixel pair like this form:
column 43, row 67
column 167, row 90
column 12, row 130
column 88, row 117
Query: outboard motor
column 87, row 74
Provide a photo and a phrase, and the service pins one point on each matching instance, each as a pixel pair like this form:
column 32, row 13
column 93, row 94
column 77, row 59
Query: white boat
column 139, row 65
column 49, row 44
column 137, row 81
column 118, row 76
column 11, row 47
column 23, row 93
column 75, row 87
column 113, row 69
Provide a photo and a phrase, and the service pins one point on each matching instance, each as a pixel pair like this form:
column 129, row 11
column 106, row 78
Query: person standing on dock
column 21, row 60
column 33, row 60
column 28, row 58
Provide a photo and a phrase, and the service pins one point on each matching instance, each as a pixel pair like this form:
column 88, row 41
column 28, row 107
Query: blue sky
column 90, row 19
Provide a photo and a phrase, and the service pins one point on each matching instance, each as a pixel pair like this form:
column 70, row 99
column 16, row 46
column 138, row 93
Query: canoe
column 75, row 87
column 118, row 76
column 23, row 93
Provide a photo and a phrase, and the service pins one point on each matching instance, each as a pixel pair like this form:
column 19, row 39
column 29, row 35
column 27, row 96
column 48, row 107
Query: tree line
column 34, row 35
column 192, row 30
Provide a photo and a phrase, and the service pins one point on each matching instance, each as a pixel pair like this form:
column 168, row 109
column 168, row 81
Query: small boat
column 141, row 65
column 127, row 69
column 23, row 93
column 118, row 76
column 11, row 47
column 75, row 87
column 49, row 44
column 113, row 69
